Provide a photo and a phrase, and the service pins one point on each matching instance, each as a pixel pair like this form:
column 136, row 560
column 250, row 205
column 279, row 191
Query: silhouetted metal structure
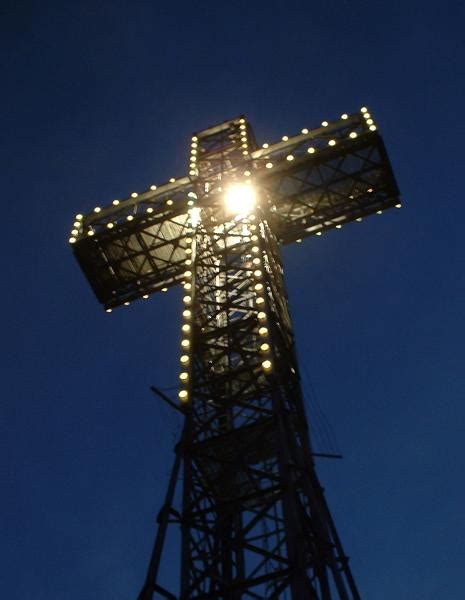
column 254, row 522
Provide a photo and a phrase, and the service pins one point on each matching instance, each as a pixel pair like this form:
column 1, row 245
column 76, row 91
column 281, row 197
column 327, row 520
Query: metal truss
column 253, row 518
column 311, row 182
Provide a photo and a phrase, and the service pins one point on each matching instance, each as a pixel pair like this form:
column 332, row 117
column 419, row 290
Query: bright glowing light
column 257, row 273
column 265, row 145
column 261, row 316
column 153, row 187
column 186, row 313
column 72, row 240
column 194, row 214
column 164, row 290
column 183, row 376
column 115, row 202
column 372, row 127
column 258, row 287
column 240, row 199
column 79, row 217
column 263, row 331
column 185, row 343
column 260, row 300
column 97, row 209
column 353, row 134
column 172, row 180
column 184, row 359
column 108, row 310
column 325, row 124
column 398, row 205
column 285, row 138
column 265, row 347
column 134, row 195
column 129, row 218
column 289, row 157
column 311, row 150
column 183, row 395
column 145, row 296
column 187, row 299
column 74, row 231
column 266, row 364
column 110, row 225
column 269, row 165
column 90, row 232
column 344, row 116
column 304, row 130
column 363, row 109
column 150, row 209
column 332, row 143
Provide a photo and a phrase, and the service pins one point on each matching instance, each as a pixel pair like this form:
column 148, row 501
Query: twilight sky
column 99, row 99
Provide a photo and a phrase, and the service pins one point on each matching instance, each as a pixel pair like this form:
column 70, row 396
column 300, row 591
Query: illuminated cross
column 253, row 519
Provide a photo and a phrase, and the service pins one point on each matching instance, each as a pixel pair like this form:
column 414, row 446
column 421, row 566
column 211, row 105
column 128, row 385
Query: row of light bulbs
column 332, row 142
column 186, row 328
column 259, row 290
column 110, row 225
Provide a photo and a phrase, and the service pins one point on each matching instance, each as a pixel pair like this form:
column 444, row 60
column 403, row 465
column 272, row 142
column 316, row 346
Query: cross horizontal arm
column 308, row 183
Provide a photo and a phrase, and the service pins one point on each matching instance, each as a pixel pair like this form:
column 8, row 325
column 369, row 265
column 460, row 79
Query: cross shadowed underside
column 253, row 519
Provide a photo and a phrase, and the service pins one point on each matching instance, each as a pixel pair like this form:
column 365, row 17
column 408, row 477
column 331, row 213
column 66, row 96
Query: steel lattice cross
column 253, row 519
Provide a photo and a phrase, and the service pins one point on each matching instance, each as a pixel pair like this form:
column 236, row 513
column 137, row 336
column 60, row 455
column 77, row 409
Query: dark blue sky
column 99, row 99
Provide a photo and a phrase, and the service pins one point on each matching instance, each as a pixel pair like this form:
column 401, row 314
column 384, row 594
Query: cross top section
column 319, row 179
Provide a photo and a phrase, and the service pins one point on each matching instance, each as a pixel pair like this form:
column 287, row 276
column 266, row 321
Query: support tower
column 254, row 521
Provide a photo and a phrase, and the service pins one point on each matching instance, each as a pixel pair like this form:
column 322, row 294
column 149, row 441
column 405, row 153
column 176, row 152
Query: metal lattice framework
column 254, row 522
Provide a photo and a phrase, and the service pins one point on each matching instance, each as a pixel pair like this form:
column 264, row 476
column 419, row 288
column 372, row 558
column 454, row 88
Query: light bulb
column 240, row 199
